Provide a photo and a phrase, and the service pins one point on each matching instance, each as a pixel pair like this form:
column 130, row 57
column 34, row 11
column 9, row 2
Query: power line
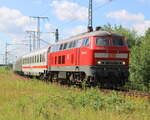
column 103, row 5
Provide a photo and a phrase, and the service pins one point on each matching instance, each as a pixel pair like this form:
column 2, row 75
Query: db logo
column 112, row 55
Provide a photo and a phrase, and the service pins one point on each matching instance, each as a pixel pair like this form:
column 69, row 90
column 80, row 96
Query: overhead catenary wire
column 95, row 8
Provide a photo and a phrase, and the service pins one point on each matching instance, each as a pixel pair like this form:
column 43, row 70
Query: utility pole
column 90, row 16
column 34, row 40
column 3, row 58
column 30, row 44
column 38, row 28
column 31, row 35
column 56, row 35
column 6, row 53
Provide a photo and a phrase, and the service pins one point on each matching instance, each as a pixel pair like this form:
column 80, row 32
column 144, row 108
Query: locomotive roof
column 82, row 35
column 87, row 34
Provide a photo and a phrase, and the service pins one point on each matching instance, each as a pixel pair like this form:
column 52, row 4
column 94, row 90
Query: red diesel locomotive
column 91, row 56
column 98, row 57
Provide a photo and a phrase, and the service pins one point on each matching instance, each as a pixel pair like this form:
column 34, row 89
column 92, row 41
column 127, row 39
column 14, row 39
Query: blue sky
column 70, row 16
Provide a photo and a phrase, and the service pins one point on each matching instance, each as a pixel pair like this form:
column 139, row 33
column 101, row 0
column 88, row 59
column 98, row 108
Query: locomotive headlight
column 123, row 62
column 99, row 62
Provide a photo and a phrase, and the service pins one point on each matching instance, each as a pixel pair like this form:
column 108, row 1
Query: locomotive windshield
column 102, row 41
column 116, row 41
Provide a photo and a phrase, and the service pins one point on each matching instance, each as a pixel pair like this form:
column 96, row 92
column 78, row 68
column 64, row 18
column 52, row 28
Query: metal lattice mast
column 90, row 15
column 38, row 28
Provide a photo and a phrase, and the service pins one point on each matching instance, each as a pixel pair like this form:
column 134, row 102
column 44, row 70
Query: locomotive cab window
column 70, row 44
column 78, row 44
column 116, row 41
column 61, row 47
column 85, row 42
column 65, row 46
column 102, row 41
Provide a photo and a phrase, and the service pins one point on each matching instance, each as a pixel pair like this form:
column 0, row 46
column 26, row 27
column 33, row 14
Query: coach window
column 43, row 57
column 37, row 58
column 32, row 59
column 28, row 60
column 40, row 58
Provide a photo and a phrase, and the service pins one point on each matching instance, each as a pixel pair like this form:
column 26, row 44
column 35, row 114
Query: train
column 97, row 57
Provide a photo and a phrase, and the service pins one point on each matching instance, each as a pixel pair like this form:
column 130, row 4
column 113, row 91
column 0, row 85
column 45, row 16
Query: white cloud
column 49, row 27
column 12, row 21
column 137, row 21
column 141, row 27
column 76, row 30
column 13, row 25
column 66, row 10
column 124, row 16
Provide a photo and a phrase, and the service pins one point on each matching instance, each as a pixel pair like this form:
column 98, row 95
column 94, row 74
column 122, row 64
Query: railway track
column 129, row 92
column 133, row 93
column 123, row 92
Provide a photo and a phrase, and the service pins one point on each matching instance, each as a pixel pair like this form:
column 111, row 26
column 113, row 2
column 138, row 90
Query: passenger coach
column 35, row 63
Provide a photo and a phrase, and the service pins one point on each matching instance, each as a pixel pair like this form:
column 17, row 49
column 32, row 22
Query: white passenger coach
column 35, row 63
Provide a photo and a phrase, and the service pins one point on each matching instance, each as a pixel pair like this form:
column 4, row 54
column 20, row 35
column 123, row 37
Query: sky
column 69, row 16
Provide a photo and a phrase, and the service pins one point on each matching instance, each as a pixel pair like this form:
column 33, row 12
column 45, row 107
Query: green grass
column 31, row 99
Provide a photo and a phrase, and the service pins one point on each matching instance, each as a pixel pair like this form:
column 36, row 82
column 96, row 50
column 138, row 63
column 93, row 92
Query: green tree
column 140, row 63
